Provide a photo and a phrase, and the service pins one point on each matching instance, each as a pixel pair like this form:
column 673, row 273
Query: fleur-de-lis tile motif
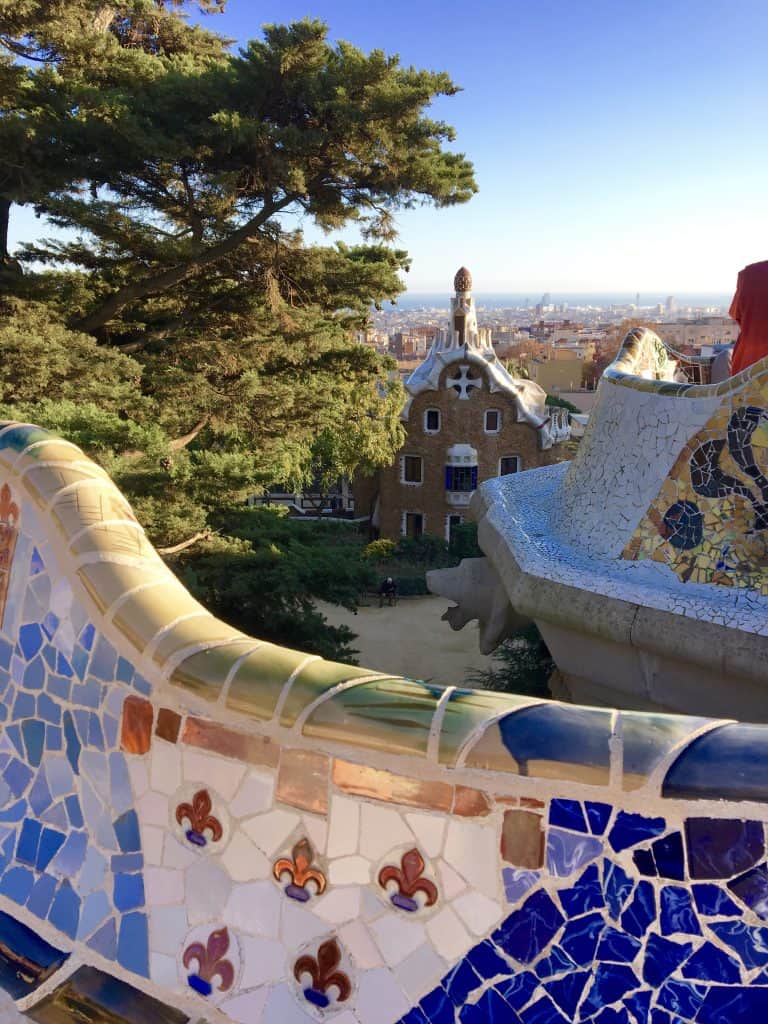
column 302, row 874
column 9, row 518
column 324, row 975
column 199, row 818
column 409, row 878
column 211, row 963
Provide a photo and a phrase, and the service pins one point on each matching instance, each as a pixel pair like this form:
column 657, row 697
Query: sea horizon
column 420, row 300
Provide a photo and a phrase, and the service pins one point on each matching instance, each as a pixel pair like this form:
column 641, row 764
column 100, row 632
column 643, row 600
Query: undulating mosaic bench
column 195, row 825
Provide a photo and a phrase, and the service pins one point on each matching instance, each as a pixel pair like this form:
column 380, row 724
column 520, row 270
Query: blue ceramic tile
column 6, row 651
column 486, row 960
column 129, row 892
column 29, row 839
column 641, row 910
column 728, row 763
column 662, row 957
column 610, row 982
column 124, row 862
column 677, row 913
column 124, row 671
column 59, row 686
column 14, row 813
column 63, row 666
column 669, row 856
column 142, row 685
column 105, row 940
column 41, row 897
column 80, row 662
column 414, row 1016
column 13, row 733
column 50, row 624
column 517, row 882
column 630, row 829
column 528, row 931
column 34, row 674
column 709, row 963
column 40, row 796
column 437, row 1007
column 34, row 740
column 50, row 844
column 95, row 910
column 568, row 852
column 23, row 706
column 65, row 912
column 48, row 709
column 734, row 1005
column 30, row 640
column 543, row 1011
column 104, row 661
column 127, row 832
column 681, row 998
column 566, row 992
column 722, row 848
column 49, row 656
column 557, row 732
column 598, row 816
column 74, row 811
column 752, row 889
column 617, row 886
column 17, row 884
column 617, row 947
column 581, row 936
column 489, row 1009
column 638, row 1004
column 110, row 726
column 133, row 944
column 57, row 817
column 714, row 901
column 567, row 814
column 86, row 636
column 95, row 733
column 556, row 963
column 73, row 745
column 69, row 859
column 644, row 863
column 518, row 989
column 87, row 694
column 586, row 895
column 610, row 1016
column 459, row 982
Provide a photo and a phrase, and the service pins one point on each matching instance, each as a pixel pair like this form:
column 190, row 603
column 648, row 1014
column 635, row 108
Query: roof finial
column 462, row 282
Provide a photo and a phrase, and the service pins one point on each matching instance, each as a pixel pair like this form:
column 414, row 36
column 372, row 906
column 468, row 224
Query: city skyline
column 614, row 147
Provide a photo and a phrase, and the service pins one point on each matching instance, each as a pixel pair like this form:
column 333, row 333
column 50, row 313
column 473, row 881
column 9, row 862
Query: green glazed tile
column 647, row 739
column 205, row 672
column 468, row 709
column 258, row 683
column 313, row 681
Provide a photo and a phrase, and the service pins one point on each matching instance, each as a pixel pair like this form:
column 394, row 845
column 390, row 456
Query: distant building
column 467, row 419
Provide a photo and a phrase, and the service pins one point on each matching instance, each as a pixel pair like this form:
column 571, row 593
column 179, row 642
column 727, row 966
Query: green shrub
column 464, row 542
column 379, row 550
column 411, row 586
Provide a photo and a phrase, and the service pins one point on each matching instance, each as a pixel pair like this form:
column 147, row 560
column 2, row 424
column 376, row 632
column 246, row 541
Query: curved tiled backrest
column 198, row 825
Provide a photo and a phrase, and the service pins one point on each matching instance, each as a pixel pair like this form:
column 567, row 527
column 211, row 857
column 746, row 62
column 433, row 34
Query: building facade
column 467, row 420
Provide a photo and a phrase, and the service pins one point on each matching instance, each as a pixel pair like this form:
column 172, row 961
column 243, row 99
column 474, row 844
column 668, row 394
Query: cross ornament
column 463, row 383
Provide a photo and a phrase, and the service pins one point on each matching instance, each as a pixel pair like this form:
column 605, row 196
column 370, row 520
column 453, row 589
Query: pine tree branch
column 176, row 548
column 162, row 281
column 182, row 442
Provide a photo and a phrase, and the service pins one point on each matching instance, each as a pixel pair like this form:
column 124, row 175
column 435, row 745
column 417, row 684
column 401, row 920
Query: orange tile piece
column 168, row 725
column 529, row 801
column 136, row 730
column 201, row 732
column 522, row 839
column 471, row 803
column 398, row 789
column 302, row 780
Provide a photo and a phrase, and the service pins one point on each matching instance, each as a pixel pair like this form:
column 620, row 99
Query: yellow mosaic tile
column 116, row 538
column 146, row 612
column 200, row 629
column 316, row 679
column 108, row 581
column 44, row 482
column 258, row 683
column 205, row 673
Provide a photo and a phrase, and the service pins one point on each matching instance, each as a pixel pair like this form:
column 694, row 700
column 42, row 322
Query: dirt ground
column 410, row 640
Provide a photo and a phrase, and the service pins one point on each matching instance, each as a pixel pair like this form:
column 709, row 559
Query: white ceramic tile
column 220, row 773
column 450, row 883
column 164, row 970
column 449, row 936
column 478, row 912
column 152, row 809
column 263, row 961
column 317, row 831
column 168, row 927
column 381, row 830
column 354, row 870
column 299, row 926
column 248, row 1007
column 473, row 851
column 206, row 891
column 282, row 1008
column 357, row 940
column 138, row 770
column 176, row 854
column 152, row 841
column 255, row 908
column 397, row 936
column 244, row 860
column 338, row 904
column 420, row 972
column 256, row 794
column 270, row 831
column 343, row 826
column 163, row 886
column 429, row 830
column 165, row 767
column 379, row 999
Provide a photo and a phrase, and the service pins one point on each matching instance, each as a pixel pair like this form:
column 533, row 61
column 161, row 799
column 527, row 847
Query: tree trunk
column 5, row 214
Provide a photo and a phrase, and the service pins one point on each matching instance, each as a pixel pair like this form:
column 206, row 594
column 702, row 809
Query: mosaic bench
column 196, row 826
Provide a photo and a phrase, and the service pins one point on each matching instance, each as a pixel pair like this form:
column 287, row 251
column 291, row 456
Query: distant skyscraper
column 546, row 298
column 637, row 299
column 671, row 305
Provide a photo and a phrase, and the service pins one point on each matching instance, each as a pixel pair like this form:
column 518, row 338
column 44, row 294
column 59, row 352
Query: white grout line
column 435, row 728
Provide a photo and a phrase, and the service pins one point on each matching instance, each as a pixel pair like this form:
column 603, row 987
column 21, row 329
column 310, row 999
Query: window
column 432, row 421
column 510, row 464
column 451, row 522
column 412, row 469
column 492, row 421
column 460, row 478
column 413, row 524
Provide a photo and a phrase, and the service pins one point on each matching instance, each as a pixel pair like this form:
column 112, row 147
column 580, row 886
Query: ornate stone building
column 467, row 419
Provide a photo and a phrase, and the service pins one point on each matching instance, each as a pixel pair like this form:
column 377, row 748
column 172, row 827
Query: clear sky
column 617, row 145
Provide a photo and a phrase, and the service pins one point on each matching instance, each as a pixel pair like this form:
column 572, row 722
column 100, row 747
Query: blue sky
column 617, row 145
